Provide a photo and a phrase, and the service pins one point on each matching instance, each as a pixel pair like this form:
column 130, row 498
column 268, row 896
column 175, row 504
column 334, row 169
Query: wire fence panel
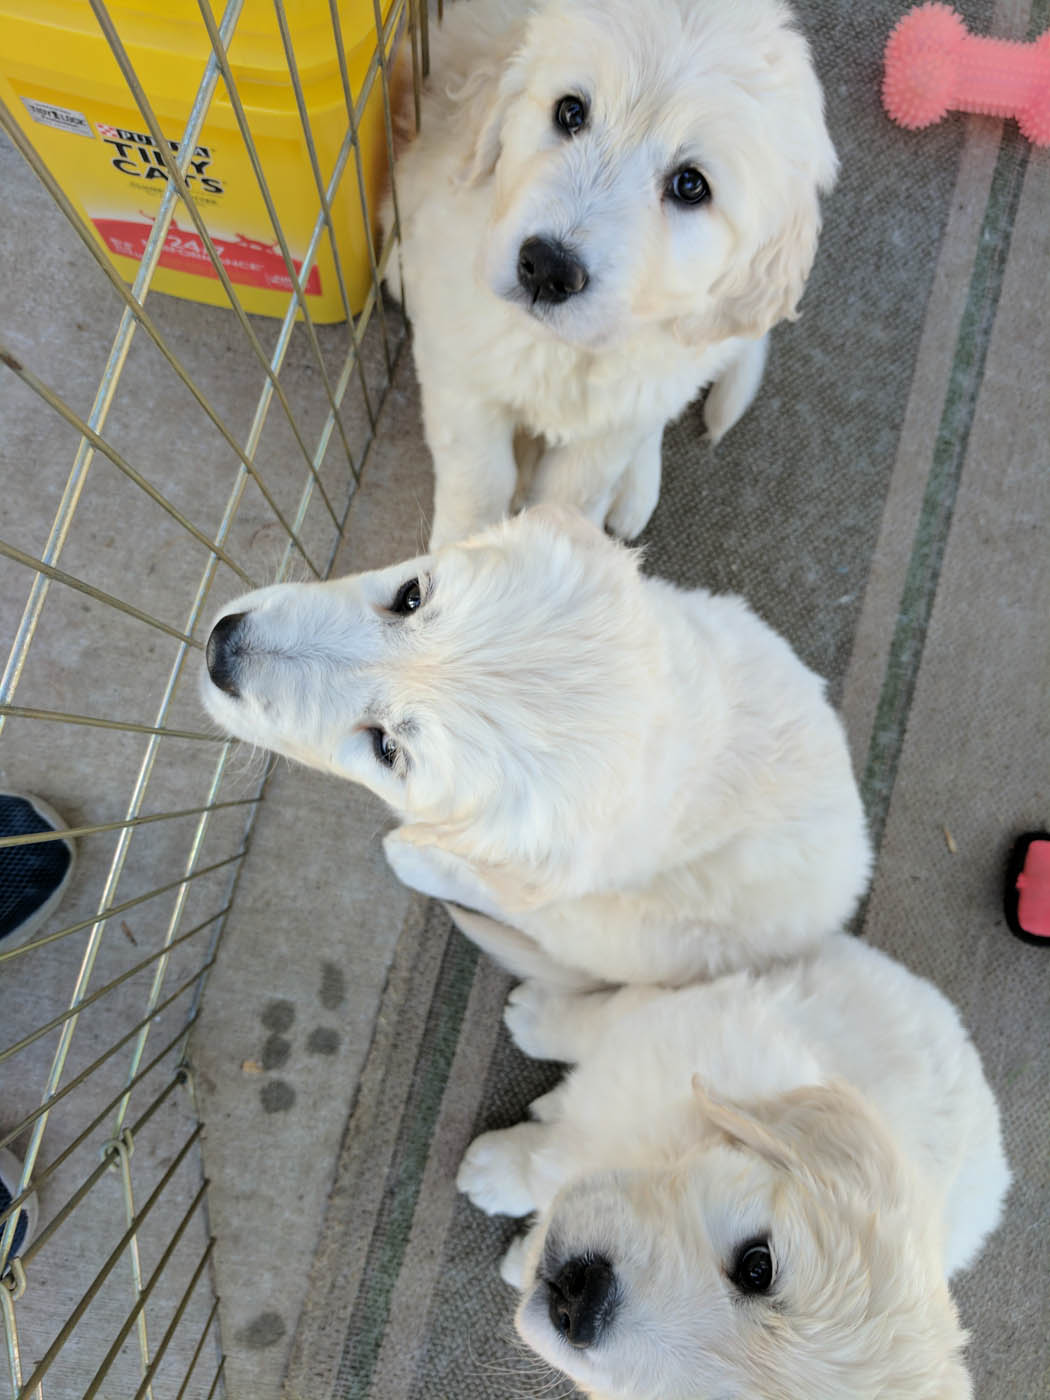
column 155, row 451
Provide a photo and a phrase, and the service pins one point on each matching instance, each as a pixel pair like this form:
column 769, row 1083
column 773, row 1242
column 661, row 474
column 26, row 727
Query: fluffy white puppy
column 780, row 1229
column 609, row 205
column 637, row 782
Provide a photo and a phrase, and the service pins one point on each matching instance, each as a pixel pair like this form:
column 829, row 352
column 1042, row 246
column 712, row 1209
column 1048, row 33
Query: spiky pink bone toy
column 934, row 65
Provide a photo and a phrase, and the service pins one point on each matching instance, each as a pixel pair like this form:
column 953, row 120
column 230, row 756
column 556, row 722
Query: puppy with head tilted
column 608, row 206
column 754, row 1189
column 619, row 780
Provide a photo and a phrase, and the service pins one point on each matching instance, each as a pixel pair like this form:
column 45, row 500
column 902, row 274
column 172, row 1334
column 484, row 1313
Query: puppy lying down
column 608, row 206
column 750, row 1190
column 626, row 781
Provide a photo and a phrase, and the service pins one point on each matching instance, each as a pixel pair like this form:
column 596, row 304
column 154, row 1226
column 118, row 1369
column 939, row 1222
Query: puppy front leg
column 730, row 396
column 613, row 479
column 472, row 445
column 638, row 489
column 498, row 1168
column 548, row 1023
column 521, row 955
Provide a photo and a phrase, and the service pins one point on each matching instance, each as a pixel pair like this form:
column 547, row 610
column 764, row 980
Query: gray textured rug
column 885, row 505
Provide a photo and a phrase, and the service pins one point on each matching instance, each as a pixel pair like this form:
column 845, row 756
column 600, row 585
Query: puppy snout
column 548, row 272
column 224, row 647
column 582, row 1299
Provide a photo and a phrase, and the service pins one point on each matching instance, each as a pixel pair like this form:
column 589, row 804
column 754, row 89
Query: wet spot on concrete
column 333, row 986
column 275, row 1051
column 323, row 1041
column 262, row 1331
column 277, row 1096
column 278, row 1015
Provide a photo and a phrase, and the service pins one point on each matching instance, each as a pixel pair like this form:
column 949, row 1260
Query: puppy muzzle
column 581, row 1299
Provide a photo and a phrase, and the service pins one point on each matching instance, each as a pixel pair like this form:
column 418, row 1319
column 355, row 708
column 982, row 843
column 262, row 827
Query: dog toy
column 934, row 65
column 1027, row 893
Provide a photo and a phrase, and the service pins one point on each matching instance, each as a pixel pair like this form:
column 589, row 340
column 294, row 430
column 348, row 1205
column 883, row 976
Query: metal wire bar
column 311, row 149
column 366, row 223
column 176, row 176
column 107, row 386
column 424, row 34
column 121, row 1149
column 37, row 837
column 99, row 992
column 198, row 1349
column 46, row 1361
column 136, row 1312
column 388, row 119
column 53, row 1166
column 19, row 556
column 343, row 380
column 417, row 62
column 221, row 925
column 170, row 939
column 14, row 1358
column 74, row 420
column 28, row 151
column 218, row 1377
column 24, row 948
column 353, row 359
column 60, row 1094
column 377, row 65
column 172, row 1326
column 264, row 190
column 96, row 721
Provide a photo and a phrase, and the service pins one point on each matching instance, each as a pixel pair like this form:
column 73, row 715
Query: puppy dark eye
column 384, row 747
column 753, row 1270
column 408, row 597
column 570, row 113
column 688, row 186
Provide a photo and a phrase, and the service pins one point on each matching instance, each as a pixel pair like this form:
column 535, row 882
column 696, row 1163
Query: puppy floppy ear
column 486, row 96
column 821, row 1130
column 764, row 283
column 765, row 287
column 740, row 1128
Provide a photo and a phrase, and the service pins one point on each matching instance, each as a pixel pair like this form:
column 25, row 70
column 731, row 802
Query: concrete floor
column 271, row 1004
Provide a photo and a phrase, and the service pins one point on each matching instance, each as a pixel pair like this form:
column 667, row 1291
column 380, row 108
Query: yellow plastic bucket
column 62, row 83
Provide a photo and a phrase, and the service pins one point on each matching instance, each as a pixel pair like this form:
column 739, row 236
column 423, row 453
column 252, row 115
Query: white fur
column 840, row 1113
column 678, row 296
column 626, row 781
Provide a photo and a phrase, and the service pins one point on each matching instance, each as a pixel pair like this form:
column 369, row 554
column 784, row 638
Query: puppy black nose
column 222, row 650
column 582, row 1299
column 549, row 272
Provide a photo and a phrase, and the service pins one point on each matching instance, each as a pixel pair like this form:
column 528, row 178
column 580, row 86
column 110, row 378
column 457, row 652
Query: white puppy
column 781, row 1230
column 639, row 783
column 609, row 205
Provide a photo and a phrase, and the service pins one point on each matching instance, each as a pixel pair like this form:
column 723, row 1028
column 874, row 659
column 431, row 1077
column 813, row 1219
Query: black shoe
column 33, row 878
column 10, row 1173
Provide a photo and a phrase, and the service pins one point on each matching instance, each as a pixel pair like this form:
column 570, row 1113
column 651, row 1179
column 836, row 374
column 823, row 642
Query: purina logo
column 135, row 153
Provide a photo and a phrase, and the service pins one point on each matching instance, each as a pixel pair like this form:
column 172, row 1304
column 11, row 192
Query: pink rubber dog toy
column 933, row 66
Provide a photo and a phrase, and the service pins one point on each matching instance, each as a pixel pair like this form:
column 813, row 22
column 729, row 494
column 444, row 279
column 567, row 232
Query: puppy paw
column 434, row 872
column 493, row 1171
column 536, row 1016
column 731, row 395
column 512, row 1265
column 634, row 501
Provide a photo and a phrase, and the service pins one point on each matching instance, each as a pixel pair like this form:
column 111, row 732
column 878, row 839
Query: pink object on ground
column 1033, row 889
column 1027, row 894
column 934, row 66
